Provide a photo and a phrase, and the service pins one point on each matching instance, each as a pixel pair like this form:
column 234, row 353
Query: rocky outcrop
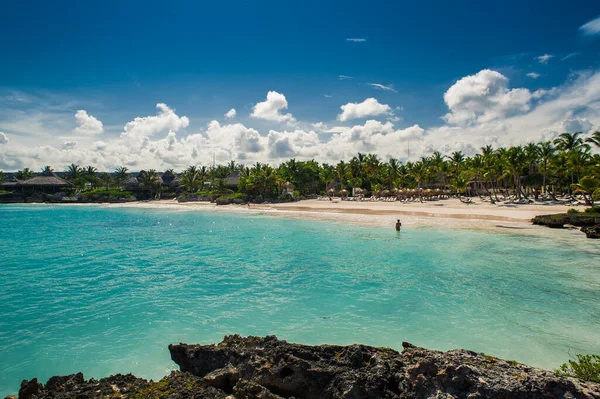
column 561, row 219
column 592, row 231
column 255, row 367
column 590, row 224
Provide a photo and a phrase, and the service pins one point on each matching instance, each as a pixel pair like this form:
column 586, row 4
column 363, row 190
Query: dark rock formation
column 560, row 220
column 255, row 367
column 592, row 231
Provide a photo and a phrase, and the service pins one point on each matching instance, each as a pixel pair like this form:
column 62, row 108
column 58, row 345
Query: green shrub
column 593, row 210
column 596, row 195
column 586, row 367
column 286, row 198
column 113, row 193
column 572, row 211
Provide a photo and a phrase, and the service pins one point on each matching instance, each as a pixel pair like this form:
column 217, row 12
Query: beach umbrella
column 359, row 191
column 344, row 192
column 385, row 193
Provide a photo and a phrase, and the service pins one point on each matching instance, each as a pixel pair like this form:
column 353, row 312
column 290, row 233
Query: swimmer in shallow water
column 398, row 225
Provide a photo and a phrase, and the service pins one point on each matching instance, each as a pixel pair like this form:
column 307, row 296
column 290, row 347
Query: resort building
column 46, row 182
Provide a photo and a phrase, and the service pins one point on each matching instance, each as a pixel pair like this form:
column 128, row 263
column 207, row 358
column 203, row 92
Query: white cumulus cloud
column 369, row 107
column 533, row 75
column 484, row 97
column 3, row 138
column 142, row 128
column 231, row 114
column 356, row 39
column 271, row 109
column 87, row 124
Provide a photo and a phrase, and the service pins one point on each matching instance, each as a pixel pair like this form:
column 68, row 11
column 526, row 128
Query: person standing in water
column 398, row 225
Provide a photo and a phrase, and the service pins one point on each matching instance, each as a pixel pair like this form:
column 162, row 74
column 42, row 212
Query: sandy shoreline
column 450, row 213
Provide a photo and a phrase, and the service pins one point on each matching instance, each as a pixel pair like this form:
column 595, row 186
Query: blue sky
column 118, row 59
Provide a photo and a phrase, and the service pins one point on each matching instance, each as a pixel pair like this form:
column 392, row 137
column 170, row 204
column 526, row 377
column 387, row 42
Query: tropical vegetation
column 585, row 367
column 564, row 166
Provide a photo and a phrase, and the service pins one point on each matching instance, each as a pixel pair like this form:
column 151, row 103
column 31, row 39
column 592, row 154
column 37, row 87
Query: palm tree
column 3, row 177
column 545, row 153
column 24, row 174
column 121, row 174
column 594, row 139
column 569, row 141
column 106, row 180
column 515, row 161
column 232, row 166
column 531, row 152
column 191, row 179
column 586, row 186
column 90, row 171
column 489, row 170
column 73, row 172
column 152, row 182
column 577, row 161
column 268, row 178
column 419, row 172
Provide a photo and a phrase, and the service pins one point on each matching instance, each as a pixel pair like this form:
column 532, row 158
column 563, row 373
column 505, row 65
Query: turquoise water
column 105, row 290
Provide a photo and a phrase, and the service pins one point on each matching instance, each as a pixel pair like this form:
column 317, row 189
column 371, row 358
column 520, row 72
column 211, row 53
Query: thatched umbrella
column 429, row 192
column 331, row 192
column 385, row 193
column 344, row 193
column 289, row 186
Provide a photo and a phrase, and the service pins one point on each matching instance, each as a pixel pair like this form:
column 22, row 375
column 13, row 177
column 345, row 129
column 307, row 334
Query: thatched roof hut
column 131, row 183
column 46, row 179
column 233, row 179
column 169, row 179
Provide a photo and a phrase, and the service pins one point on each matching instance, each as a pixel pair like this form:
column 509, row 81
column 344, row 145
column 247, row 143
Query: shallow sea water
column 105, row 290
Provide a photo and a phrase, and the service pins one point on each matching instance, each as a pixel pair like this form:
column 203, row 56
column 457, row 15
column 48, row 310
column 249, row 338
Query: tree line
column 565, row 165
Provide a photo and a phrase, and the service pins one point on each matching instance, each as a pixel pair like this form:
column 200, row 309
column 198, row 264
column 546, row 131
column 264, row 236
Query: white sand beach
column 450, row 213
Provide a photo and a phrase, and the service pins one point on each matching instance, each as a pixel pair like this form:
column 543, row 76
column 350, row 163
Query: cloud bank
column 482, row 109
